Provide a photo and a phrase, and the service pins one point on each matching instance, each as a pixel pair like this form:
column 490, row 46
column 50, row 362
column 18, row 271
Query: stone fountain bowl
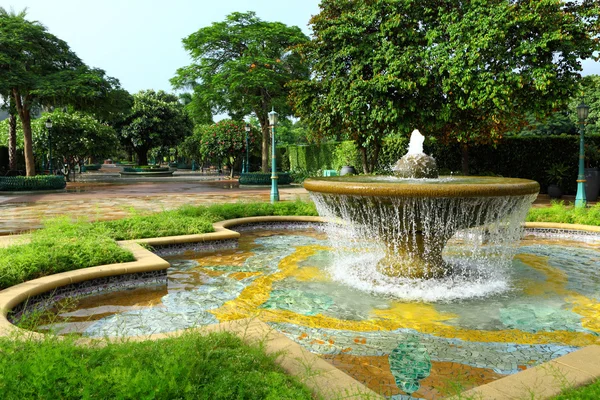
column 444, row 186
column 415, row 218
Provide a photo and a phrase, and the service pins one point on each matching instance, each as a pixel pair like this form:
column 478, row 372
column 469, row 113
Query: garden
column 369, row 288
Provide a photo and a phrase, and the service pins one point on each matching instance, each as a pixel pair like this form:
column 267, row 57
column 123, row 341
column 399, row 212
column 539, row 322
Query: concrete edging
column 546, row 380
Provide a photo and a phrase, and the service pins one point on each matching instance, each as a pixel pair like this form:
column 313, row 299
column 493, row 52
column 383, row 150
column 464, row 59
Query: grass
column 62, row 245
column 558, row 212
column 192, row 366
column 590, row 392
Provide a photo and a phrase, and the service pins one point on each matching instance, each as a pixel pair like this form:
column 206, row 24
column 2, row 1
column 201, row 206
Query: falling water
column 482, row 235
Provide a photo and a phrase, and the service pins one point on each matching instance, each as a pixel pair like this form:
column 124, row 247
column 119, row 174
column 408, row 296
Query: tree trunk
column 265, row 147
column 142, row 155
column 25, row 116
column 12, row 141
column 363, row 157
column 464, row 151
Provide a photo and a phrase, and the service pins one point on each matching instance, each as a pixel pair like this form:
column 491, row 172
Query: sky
column 139, row 41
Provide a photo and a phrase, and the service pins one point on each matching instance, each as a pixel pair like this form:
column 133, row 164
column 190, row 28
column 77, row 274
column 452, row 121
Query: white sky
column 139, row 41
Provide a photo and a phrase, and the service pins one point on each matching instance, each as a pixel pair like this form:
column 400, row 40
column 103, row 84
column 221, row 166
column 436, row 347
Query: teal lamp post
column 274, row 190
column 247, row 163
column 582, row 113
column 48, row 127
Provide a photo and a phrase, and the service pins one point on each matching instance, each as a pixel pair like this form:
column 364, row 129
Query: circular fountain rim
column 483, row 186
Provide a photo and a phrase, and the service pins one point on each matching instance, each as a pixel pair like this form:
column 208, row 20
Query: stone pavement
column 103, row 201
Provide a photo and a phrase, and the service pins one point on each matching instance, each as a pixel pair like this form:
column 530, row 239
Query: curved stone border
column 28, row 192
column 549, row 379
column 147, row 174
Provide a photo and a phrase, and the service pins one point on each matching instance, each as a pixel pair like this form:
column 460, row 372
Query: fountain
column 411, row 215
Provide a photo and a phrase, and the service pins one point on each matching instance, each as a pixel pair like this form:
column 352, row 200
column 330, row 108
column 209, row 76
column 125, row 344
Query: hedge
column 515, row 156
column 92, row 167
column 32, row 183
column 261, row 178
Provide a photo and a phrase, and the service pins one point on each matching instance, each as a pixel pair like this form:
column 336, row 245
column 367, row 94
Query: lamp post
column 274, row 190
column 48, row 127
column 246, row 168
column 582, row 113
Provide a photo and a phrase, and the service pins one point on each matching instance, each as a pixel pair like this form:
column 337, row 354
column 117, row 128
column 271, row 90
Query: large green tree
column 39, row 69
column 241, row 66
column 463, row 71
column 156, row 119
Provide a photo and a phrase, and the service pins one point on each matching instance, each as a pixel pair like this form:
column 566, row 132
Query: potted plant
column 556, row 174
column 345, row 156
column 592, row 171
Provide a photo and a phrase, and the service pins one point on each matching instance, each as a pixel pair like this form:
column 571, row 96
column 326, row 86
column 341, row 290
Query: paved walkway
column 101, row 201
column 117, row 199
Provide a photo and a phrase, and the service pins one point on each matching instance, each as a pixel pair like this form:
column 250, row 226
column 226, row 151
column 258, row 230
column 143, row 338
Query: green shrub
column 60, row 246
column 311, row 157
column 262, row 178
column 345, row 154
column 92, row 167
column 558, row 212
column 192, row 366
column 32, row 183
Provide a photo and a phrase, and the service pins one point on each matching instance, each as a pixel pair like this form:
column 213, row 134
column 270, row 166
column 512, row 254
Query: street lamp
column 274, row 190
column 48, row 127
column 246, row 168
column 582, row 113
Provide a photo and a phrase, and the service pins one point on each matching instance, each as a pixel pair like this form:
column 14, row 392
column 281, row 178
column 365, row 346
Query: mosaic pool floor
column 400, row 349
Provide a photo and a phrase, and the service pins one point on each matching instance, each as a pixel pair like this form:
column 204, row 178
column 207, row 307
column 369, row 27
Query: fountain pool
column 545, row 305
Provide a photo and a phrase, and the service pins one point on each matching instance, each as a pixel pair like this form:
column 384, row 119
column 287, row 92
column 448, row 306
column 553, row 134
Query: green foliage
column 225, row 142
column 557, row 173
column 192, row 366
column 461, row 71
column 311, row 157
column 588, row 392
column 92, row 167
column 558, row 212
column 60, row 246
column 590, row 95
column 394, row 147
column 166, row 223
column 241, row 210
column 345, row 154
column 157, row 119
column 32, row 183
column 260, row 178
column 39, row 69
column 242, row 66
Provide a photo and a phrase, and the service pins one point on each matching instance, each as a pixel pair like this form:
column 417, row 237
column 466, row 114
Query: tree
column 156, row 119
column 76, row 136
column 242, row 66
column 225, row 141
column 461, row 71
column 37, row 68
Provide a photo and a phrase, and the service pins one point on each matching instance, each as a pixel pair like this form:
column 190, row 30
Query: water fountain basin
column 414, row 218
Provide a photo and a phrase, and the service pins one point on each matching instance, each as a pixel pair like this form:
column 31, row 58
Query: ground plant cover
column 63, row 245
column 192, row 366
column 590, row 392
column 558, row 212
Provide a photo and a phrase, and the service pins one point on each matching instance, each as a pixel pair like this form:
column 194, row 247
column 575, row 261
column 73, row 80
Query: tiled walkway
column 97, row 201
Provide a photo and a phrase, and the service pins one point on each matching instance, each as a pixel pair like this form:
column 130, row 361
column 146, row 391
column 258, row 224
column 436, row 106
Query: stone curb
column 544, row 381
